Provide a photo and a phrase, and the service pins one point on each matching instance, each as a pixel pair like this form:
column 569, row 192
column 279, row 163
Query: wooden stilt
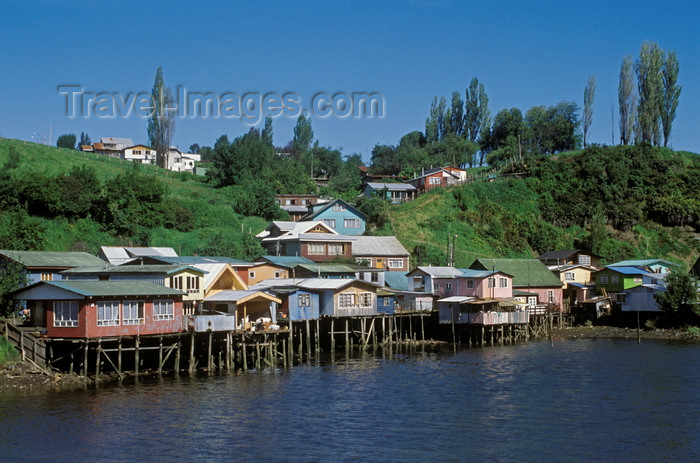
column 191, row 362
column 136, row 355
column 318, row 337
column 422, row 328
column 210, row 361
column 119, row 357
column 245, row 358
column 332, row 334
column 85, row 358
column 308, row 340
column 98, row 352
column 284, row 353
column 176, row 371
column 257, row 354
column 347, row 336
column 160, row 356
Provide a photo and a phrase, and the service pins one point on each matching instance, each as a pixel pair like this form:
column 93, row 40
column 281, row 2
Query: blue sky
column 526, row 53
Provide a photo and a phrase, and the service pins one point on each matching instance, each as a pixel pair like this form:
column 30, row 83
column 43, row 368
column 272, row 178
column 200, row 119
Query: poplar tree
column 588, row 98
column 649, row 69
column 627, row 100
column 267, row 131
column 671, row 94
column 161, row 121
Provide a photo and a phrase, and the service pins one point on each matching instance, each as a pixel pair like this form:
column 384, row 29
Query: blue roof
column 642, row 263
column 628, row 270
column 396, row 280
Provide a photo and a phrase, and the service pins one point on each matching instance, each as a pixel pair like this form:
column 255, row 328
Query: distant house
column 297, row 206
column 579, row 282
column 395, row 193
column 343, row 297
column 96, row 309
column 422, row 279
column 333, row 270
column 532, row 281
column 117, row 255
column 275, row 267
column 619, row 279
column 112, row 146
column 341, row 216
column 569, row 258
column 449, row 281
column 47, row 266
column 313, row 240
column 642, row 297
column 297, row 303
column 140, row 153
column 650, row 265
column 384, row 252
column 182, row 162
column 438, row 177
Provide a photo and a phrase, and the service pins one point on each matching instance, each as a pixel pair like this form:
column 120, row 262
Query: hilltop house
column 343, row 297
column 47, row 266
column 181, row 162
column 395, row 193
column 141, row 153
column 342, row 217
column 438, row 177
column 569, row 258
column 112, row 146
column 95, row 309
column 297, row 206
column 385, row 252
column 532, row 281
column 315, row 241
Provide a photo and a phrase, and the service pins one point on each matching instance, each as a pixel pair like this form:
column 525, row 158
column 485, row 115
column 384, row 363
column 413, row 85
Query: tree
column 649, row 69
column 477, row 117
column 194, row 148
column 12, row 277
column 588, row 98
column 435, row 123
column 681, row 295
column 671, row 94
column 455, row 123
column 303, row 136
column 267, row 131
column 84, row 140
column 66, row 141
column 161, row 122
column 627, row 100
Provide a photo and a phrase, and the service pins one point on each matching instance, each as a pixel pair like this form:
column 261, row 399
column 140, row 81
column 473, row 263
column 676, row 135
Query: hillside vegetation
column 619, row 202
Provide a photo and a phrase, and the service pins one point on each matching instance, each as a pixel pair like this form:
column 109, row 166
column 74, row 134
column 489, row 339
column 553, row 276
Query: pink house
column 484, row 284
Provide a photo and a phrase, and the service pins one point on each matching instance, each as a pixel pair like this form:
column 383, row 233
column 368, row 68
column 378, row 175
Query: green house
column 614, row 279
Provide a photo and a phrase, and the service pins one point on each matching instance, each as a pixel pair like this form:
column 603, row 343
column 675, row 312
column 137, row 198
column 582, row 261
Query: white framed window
column 395, row 263
column 374, row 277
column 65, row 313
column 532, row 301
column 176, row 282
column 251, row 275
column 470, row 284
column 569, row 276
column 603, row 279
column 351, row 223
column 107, row 313
column 365, row 299
column 338, row 207
column 448, row 286
column 336, row 249
column 584, row 259
column 346, row 300
column 163, row 310
column 132, row 313
column 277, row 274
column 435, row 181
column 503, row 282
column 436, row 285
column 492, row 282
column 550, row 296
column 637, row 279
column 304, row 300
column 192, row 284
column 316, row 249
column 329, row 222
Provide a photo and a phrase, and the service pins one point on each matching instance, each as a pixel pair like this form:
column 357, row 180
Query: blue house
column 299, row 304
column 386, row 301
column 47, row 266
column 342, row 217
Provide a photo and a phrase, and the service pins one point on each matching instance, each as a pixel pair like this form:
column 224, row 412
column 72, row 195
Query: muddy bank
column 23, row 376
column 611, row 332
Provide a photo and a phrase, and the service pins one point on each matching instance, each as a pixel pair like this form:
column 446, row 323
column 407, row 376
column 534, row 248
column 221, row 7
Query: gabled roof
column 240, row 296
column 330, row 204
column 391, row 186
column 471, row 273
column 396, row 280
column 627, row 270
column 127, row 269
column 138, row 146
column 330, row 267
column 120, row 254
column 302, row 231
column 48, row 259
column 285, row 261
column 526, row 272
column 558, row 255
column 106, row 288
column 378, row 246
column 434, row 171
column 193, row 260
column 642, row 263
column 439, row 272
column 117, row 141
column 331, row 283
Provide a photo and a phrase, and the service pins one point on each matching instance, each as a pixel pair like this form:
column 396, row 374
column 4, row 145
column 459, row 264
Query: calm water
column 579, row 400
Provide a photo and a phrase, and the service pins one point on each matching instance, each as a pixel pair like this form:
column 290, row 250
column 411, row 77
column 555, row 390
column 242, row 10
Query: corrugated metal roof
column 114, row 288
column 560, row 255
column 121, row 269
column 642, row 263
column 471, row 273
column 457, row 299
column 286, row 261
column 192, row 260
column 329, row 268
column 441, row 271
column 628, row 270
column 396, row 280
column 378, row 246
column 329, row 204
column 46, row 259
column 240, row 296
column 525, row 272
column 391, row 186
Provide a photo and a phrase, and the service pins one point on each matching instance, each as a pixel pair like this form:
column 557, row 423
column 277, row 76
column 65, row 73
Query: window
column 614, row 279
column 374, row 277
column 437, row 286
column 569, row 276
column 365, row 299
column 638, row 279
column 47, row 277
column 277, row 274
column 163, row 310
column 107, row 313
column 352, row 223
column 584, row 259
column 621, row 298
column 336, row 249
column 346, row 301
column 492, row 282
column 304, row 300
column 338, row 207
column 470, row 284
column 395, row 263
column 550, row 296
column 386, row 301
column 329, row 222
column 176, row 282
column 448, row 286
column 132, row 312
column 317, row 249
column 188, row 308
column 192, row 284
column 65, row 314
column 251, row 275
column 603, row 279
column 503, row 282
column 435, row 181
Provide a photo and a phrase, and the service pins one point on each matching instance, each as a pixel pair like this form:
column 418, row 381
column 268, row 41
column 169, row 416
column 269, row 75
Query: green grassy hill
column 211, row 207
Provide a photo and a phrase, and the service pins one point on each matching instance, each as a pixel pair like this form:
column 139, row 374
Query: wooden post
column 257, row 354
column 119, row 357
column 210, row 361
column 332, row 335
column 177, row 358
column 191, row 362
column 422, row 328
column 160, row 356
column 228, row 351
column 347, row 337
column 308, row 340
column 245, row 358
column 85, row 358
column 284, row 353
column 383, row 329
column 363, row 345
column 98, row 351
column 454, row 345
column 136, row 355
column 318, row 337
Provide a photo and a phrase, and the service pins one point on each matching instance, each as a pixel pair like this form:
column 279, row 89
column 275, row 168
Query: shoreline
column 613, row 332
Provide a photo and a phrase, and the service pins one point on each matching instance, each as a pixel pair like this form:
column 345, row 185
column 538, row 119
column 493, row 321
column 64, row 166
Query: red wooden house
column 96, row 309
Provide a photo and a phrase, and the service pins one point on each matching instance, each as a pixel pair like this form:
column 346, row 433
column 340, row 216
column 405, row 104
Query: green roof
column 114, row 288
column 148, row 269
column 526, row 272
column 286, row 261
column 330, row 268
column 48, row 259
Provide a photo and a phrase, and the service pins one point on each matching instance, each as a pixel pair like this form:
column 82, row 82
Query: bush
column 8, row 353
